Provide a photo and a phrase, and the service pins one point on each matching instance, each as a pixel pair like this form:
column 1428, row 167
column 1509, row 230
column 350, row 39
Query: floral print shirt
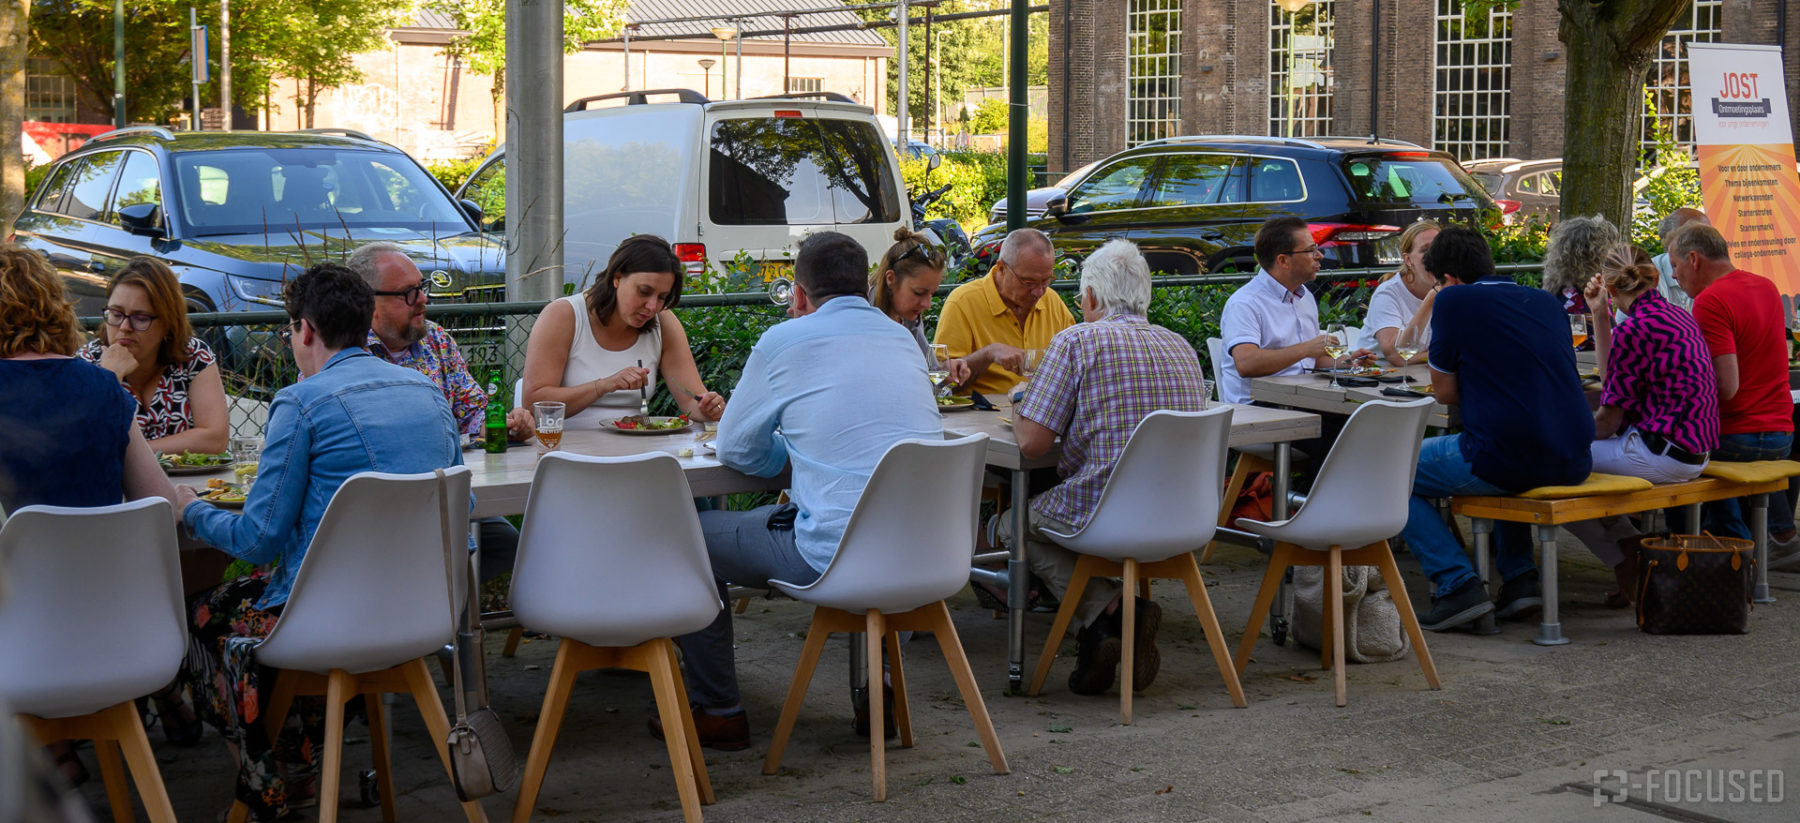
column 437, row 357
column 168, row 412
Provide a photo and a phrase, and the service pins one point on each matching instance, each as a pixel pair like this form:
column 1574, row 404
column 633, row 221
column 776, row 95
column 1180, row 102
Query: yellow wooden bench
column 1606, row 495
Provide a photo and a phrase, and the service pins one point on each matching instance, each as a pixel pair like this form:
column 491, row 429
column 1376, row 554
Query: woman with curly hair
column 67, row 437
column 1578, row 248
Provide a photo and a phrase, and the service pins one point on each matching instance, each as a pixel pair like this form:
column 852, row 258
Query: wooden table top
column 1250, row 426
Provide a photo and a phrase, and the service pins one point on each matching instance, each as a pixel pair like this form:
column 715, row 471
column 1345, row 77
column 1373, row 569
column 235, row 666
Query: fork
column 644, row 396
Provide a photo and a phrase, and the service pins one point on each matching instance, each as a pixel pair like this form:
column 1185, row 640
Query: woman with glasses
column 67, row 434
column 147, row 343
column 901, row 286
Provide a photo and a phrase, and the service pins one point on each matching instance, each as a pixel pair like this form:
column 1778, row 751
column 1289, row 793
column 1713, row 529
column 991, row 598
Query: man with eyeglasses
column 400, row 334
column 1271, row 324
column 990, row 321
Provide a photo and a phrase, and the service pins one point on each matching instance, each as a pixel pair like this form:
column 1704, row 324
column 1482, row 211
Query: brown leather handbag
column 1695, row 584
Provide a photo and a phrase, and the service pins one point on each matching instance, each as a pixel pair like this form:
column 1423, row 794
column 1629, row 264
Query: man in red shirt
column 1740, row 316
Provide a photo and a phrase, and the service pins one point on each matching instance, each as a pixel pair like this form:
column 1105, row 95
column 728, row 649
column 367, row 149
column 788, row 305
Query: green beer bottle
column 494, row 431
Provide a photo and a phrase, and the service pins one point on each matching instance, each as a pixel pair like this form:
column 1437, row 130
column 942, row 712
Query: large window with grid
column 1668, row 88
column 1300, row 76
column 1153, row 61
column 1472, row 81
column 49, row 93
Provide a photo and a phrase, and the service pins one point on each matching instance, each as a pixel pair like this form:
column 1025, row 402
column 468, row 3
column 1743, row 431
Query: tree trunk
column 312, row 101
column 498, row 91
column 15, row 24
column 1610, row 44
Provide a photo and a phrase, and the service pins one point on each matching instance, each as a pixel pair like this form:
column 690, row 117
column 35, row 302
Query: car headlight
column 256, row 290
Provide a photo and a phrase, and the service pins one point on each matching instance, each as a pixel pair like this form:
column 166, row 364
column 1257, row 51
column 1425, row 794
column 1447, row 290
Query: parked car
column 236, row 213
column 1193, row 204
column 717, row 179
column 1524, row 189
column 1037, row 199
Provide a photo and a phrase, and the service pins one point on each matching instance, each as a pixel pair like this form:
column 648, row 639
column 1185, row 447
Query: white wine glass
column 1337, row 344
column 940, row 369
column 1406, row 344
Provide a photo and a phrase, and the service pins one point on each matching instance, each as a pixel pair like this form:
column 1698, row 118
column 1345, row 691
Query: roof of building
column 744, row 14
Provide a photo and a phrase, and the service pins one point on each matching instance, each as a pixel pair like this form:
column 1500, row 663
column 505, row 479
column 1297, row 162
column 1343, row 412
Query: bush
column 976, row 178
column 452, row 173
column 990, row 117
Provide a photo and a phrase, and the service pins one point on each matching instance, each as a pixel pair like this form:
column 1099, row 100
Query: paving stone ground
column 1519, row 732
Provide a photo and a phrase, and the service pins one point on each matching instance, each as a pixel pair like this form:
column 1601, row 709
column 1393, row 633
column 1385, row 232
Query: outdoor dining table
column 1314, row 392
column 1250, row 426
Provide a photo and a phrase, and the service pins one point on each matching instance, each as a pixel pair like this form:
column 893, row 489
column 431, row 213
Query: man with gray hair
column 1666, row 285
column 990, row 321
column 1097, row 381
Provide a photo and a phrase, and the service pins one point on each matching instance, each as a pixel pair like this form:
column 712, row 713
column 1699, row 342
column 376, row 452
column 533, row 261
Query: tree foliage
column 969, row 53
column 484, row 47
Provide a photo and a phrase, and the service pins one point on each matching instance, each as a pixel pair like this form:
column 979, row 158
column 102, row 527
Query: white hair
column 1018, row 240
column 1119, row 277
column 366, row 261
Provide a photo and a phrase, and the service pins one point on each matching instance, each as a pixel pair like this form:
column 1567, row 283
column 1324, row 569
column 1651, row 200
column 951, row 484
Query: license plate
column 772, row 269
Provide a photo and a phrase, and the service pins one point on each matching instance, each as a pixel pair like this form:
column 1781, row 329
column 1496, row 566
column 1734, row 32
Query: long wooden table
column 1250, row 426
column 1314, row 392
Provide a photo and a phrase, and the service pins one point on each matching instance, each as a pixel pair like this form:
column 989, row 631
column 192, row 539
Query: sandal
column 75, row 776
column 181, row 727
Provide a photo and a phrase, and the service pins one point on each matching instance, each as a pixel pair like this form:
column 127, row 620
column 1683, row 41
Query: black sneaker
column 1097, row 657
column 1146, row 661
column 1451, row 609
column 1520, row 597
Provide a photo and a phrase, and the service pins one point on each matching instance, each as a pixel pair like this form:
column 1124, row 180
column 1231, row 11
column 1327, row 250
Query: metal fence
column 721, row 329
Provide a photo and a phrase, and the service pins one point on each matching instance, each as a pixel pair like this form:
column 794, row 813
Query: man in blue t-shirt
column 1501, row 352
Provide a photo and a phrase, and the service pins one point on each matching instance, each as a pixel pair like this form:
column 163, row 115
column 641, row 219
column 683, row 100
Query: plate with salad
column 176, row 465
column 641, row 425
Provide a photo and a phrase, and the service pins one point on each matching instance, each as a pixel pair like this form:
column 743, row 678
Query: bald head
column 1678, row 218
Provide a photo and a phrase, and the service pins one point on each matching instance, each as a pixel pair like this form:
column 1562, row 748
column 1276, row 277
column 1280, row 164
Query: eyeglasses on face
column 287, row 333
column 411, row 294
column 1312, row 249
column 116, row 318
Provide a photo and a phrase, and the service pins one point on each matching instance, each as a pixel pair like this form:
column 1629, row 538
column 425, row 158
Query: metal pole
column 225, row 60
column 118, row 64
column 787, row 51
column 739, row 94
column 197, row 59
column 929, row 62
column 534, row 141
column 900, row 128
column 1016, row 111
column 627, row 58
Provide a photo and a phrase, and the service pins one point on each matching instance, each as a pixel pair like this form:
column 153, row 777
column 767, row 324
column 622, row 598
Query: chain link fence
column 721, row 330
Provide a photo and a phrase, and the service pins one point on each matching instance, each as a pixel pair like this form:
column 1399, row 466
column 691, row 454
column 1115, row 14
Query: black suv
column 1192, row 204
column 234, row 213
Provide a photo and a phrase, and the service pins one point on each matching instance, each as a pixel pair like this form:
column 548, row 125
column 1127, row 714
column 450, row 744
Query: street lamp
column 726, row 34
column 706, row 64
column 1292, row 7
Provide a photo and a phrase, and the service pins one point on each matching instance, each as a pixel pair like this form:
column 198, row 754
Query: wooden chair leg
column 743, row 605
column 1390, row 573
column 1129, row 640
column 339, row 687
column 378, row 745
column 513, row 637
column 675, row 715
column 112, row 774
column 945, row 632
column 543, row 739
column 875, row 627
column 790, row 710
column 128, row 728
column 1209, row 622
column 1143, row 588
column 902, row 712
column 1084, row 569
column 1334, row 605
column 1259, row 609
column 1234, row 487
column 1327, row 619
column 693, row 734
column 437, row 724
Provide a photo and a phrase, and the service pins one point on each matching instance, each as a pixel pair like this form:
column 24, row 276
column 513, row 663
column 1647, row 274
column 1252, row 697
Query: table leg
column 1550, row 629
column 1284, row 472
column 1483, row 531
column 467, row 643
column 1018, row 589
column 1759, row 531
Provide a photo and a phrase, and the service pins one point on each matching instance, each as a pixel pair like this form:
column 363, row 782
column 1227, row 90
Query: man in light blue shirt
column 1665, row 284
column 826, row 393
column 351, row 412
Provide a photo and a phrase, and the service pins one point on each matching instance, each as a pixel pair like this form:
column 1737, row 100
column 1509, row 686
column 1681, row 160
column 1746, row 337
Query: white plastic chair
column 615, row 582
column 906, row 548
column 369, row 605
column 1155, row 511
column 1252, row 460
column 1358, row 503
column 93, row 622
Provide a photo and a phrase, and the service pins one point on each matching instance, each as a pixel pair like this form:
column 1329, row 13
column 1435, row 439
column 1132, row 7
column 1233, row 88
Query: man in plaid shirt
column 1097, row 381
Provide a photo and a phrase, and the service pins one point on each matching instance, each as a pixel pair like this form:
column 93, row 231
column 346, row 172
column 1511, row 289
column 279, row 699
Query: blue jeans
column 1725, row 517
column 746, row 551
column 1444, row 472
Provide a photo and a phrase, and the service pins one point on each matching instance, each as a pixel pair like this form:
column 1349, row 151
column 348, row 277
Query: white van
column 714, row 178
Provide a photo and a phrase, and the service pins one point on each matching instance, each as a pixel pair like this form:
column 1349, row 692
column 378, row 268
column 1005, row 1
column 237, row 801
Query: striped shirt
column 1659, row 371
column 1096, row 383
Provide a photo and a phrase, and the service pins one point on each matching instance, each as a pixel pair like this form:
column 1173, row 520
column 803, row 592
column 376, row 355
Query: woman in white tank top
column 586, row 348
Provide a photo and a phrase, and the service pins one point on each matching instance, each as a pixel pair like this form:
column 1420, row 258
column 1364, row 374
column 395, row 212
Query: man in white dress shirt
column 1271, row 325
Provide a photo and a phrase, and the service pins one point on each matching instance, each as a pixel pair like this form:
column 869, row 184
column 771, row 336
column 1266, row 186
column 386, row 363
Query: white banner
column 1745, row 142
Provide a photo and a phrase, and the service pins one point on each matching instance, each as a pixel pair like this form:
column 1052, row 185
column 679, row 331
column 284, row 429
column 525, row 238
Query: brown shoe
column 727, row 734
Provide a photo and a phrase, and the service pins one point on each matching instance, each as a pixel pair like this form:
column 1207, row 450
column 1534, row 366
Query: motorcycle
column 943, row 232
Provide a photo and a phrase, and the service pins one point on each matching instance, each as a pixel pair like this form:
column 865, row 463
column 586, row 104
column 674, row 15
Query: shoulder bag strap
column 462, row 710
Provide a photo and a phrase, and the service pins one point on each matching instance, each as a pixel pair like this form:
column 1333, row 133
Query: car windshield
column 1489, row 180
column 800, row 171
column 263, row 190
column 1409, row 178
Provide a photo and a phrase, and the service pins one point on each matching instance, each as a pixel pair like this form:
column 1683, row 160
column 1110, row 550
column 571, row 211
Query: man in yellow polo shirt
column 992, row 320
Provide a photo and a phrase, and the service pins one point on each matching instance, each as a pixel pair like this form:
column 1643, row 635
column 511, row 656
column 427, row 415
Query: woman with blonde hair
column 1404, row 298
column 1659, row 408
column 146, row 341
column 901, row 286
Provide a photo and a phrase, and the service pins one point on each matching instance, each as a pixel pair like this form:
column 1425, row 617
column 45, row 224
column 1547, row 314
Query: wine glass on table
column 1406, row 343
column 1337, row 344
column 940, row 369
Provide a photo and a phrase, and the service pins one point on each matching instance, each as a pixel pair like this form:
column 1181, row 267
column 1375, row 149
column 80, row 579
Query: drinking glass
column 1337, row 344
column 246, row 453
column 1795, row 328
column 1578, row 329
column 1029, row 364
column 1406, row 343
column 549, row 414
column 781, row 291
column 940, row 368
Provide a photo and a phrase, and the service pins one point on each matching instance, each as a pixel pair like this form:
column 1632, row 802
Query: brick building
column 1126, row 71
